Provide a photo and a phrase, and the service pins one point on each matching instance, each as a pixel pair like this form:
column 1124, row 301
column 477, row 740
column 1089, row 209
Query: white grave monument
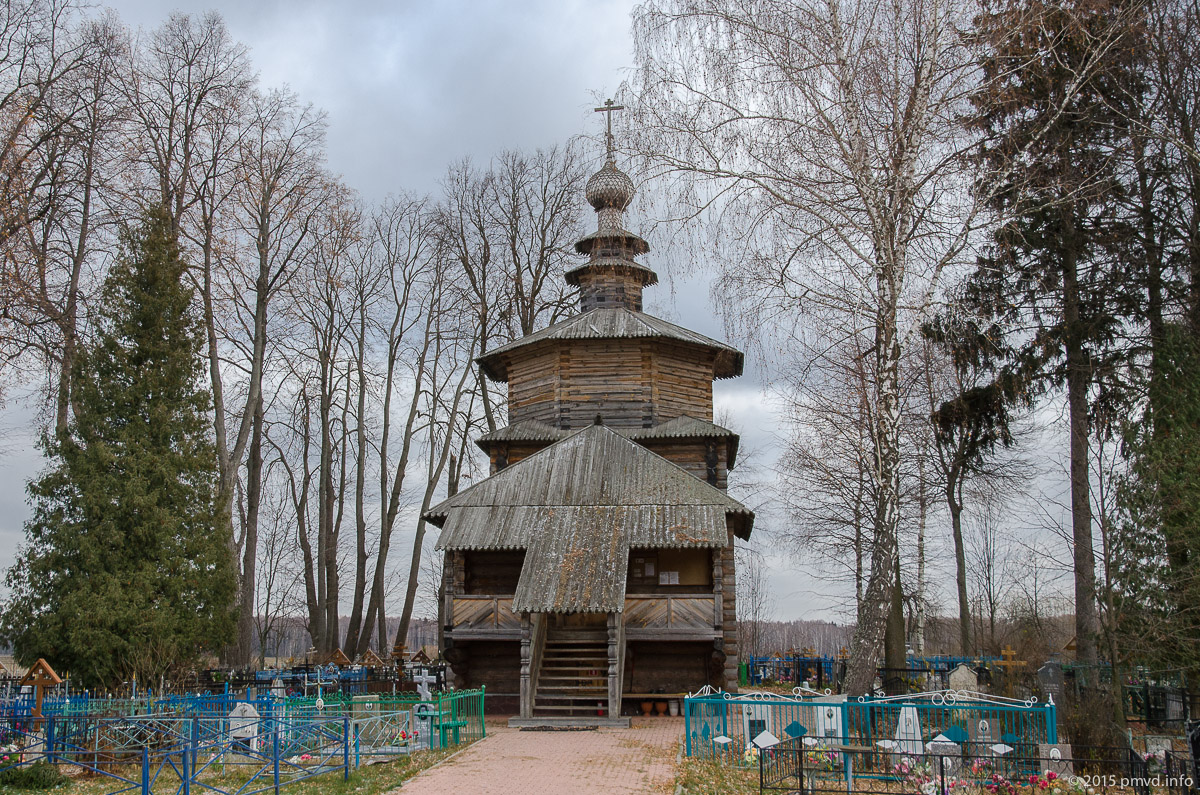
column 908, row 732
column 243, row 725
column 424, row 679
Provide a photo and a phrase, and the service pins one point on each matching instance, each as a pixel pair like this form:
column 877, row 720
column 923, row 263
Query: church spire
column 611, row 277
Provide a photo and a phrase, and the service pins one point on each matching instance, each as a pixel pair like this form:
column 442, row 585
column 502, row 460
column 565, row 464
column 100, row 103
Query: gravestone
column 963, row 677
column 243, row 726
column 980, row 736
column 1056, row 758
column 1050, row 676
column 364, row 707
column 908, row 732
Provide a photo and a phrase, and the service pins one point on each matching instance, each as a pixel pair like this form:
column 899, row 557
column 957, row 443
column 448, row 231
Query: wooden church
column 594, row 568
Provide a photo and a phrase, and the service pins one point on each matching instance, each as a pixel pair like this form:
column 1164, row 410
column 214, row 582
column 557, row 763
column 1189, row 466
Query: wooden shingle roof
column 682, row 427
column 577, row 507
column 614, row 323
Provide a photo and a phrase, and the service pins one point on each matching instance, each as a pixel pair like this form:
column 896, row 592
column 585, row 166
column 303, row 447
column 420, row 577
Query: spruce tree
column 1054, row 110
column 125, row 571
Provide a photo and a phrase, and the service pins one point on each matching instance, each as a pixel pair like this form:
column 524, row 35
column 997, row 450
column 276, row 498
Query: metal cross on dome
column 610, row 108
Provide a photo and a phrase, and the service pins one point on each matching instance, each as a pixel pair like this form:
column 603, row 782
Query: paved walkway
column 515, row 762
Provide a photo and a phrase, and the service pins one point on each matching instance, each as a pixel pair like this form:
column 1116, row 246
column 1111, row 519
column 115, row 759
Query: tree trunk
column 246, row 606
column 894, row 656
column 954, row 504
column 1078, row 380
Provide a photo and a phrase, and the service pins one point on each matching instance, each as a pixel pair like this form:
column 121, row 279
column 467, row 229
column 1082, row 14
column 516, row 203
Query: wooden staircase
column 573, row 680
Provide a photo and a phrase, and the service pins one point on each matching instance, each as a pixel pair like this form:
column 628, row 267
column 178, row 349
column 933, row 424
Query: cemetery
column 227, row 742
column 889, row 488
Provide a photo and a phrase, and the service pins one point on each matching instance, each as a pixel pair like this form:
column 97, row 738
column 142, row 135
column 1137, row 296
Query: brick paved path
column 514, row 762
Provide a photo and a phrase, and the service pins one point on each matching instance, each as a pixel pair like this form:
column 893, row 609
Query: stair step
column 568, row 679
column 552, row 690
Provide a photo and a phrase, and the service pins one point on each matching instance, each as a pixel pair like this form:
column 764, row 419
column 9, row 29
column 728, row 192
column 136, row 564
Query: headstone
column 277, row 688
column 908, row 732
column 243, row 724
column 942, row 746
column 1050, row 677
column 980, row 736
column 1056, row 758
column 756, row 718
column 824, row 715
column 963, row 677
column 364, row 707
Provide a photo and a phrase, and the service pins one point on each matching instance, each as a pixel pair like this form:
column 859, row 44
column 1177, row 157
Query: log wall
column 631, row 383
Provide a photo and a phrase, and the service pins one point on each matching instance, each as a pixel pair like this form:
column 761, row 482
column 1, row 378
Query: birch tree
column 823, row 135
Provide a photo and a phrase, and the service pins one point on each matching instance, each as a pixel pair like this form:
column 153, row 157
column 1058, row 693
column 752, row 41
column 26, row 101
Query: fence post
column 275, row 758
column 145, row 770
column 1052, row 723
column 194, row 740
column 687, row 727
column 186, row 774
column 482, row 722
column 50, row 739
column 346, row 747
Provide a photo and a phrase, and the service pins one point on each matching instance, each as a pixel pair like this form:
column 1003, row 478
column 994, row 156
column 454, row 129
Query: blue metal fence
column 242, row 753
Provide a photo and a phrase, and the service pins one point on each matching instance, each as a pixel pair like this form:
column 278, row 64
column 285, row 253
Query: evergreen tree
column 1059, row 80
column 1156, row 564
column 125, row 571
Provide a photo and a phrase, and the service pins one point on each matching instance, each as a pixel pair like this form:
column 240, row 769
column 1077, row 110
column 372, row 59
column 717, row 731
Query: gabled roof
column 577, row 507
column 681, row 427
column 614, row 323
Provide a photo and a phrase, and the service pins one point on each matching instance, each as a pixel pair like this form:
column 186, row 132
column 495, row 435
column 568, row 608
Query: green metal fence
column 719, row 723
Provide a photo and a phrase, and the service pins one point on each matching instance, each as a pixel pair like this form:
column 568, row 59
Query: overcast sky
column 411, row 87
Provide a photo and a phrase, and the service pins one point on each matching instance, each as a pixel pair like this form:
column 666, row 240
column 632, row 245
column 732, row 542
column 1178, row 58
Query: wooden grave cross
column 1010, row 661
column 40, row 676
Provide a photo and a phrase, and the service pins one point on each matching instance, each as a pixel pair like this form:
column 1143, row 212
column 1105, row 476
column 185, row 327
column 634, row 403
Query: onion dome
column 610, row 187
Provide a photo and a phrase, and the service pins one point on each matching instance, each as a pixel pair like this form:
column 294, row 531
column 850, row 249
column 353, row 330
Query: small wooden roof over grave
column 371, row 659
column 41, row 675
column 578, row 507
column 336, row 657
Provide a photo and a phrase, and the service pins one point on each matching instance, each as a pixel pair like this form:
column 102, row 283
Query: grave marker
column 1050, row 676
column 963, row 677
column 1056, row 758
column 39, row 677
column 243, row 724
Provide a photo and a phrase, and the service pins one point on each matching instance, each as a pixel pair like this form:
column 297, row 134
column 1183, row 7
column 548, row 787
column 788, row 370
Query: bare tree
column 824, row 134
column 755, row 602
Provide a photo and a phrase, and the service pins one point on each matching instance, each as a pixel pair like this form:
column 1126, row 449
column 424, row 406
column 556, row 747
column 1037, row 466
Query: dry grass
column 366, row 780
column 697, row 776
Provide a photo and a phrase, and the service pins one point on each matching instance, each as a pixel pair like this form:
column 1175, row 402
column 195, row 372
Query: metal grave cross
column 424, row 679
column 609, row 108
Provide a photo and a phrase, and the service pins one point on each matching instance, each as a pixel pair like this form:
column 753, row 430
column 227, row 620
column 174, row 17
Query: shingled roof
column 614, row 323
column 681, row 427
column 577, row 507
